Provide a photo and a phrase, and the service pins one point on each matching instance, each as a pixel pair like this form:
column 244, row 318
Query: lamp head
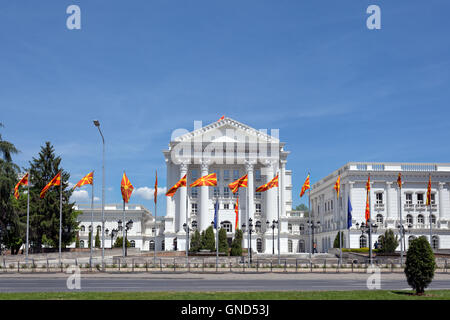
column 96, row 123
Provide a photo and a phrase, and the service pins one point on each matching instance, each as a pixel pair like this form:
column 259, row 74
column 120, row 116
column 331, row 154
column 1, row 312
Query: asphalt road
column 188, row 282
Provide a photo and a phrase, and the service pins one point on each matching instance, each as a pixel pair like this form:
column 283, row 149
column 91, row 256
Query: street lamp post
column 273, row 226
column 368, row 228
column 402, row 230
column 97, row 124
column 128, row 226
column 250, row 231
column 313, row 225
column 113, row 235
column 187, row 229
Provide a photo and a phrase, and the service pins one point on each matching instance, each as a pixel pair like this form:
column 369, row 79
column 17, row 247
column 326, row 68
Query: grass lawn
column 270, row 295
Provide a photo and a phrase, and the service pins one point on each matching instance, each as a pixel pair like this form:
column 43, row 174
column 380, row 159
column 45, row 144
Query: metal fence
column 202, row 265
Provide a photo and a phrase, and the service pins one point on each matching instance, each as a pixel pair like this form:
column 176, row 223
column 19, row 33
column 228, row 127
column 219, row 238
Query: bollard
column 189, row 267
column 230, row 267
column 271, row 266
column 285, row 265
column 243, row 267
column 160, row 264
column 119, row 264
column 18, row 267
column 76, row 262
column 392, row 267
column 446, row 266
column 132, row 265
column 296, row 265
column 325, row 266
column 146, row 266
column 174, row 265
column 203, row 265
column 310, row 266
column 47, row 265
column 257, row 265
column 61, row 267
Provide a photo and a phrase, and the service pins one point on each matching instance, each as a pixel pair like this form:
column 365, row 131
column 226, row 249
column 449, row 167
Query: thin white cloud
column 80, row 196
column 147, row 193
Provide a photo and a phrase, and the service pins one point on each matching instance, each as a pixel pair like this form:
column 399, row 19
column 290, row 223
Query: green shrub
column 420, row 264
column 388, row 242
column 236, row 244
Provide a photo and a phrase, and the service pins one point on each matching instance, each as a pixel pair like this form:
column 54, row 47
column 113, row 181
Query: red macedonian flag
column 399, row 180
column 209, row 180
column 241, row 182
column 236, row 210
column 22, row 182
column 305, row 187
column 88, row 179
column 367, row 199
column 56, row 181
column 429, row 192
column 155, row 195
column 180, row 183
column 269, row 185
column 337, row 186
column 126, row 187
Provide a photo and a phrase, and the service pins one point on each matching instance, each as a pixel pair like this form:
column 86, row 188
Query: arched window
column 435, row 242
column 410, row 238
column 259, row 245
column 152, row 245
column 363, row 241
column 258, row 226
column 81, row 243
column 82, row 229
column 132, row 244
column 289, row 227
column 227, row 226
column 420, row 219
column 289, row 245
column 433, row 219
column 301, row 246
column 163, row 245
column 379, row 218
column 409, row 219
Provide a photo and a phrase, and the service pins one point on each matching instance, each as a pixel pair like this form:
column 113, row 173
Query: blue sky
column 337, row 91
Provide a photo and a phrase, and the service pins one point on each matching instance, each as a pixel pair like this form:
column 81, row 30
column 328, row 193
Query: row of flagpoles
column 207, row 180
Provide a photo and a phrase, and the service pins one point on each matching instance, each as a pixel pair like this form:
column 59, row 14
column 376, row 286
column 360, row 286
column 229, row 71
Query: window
column 83, row 229
column 258, row 175
column 258, row 195
column 259, row 245
column 226, row 174
column 226, row 206
column 331, row 202
column 194, row 175
column 81, row 243
column 408, row 198
column 433, row 219
column 289, row 245
column 433, row 198
column 289, row 227
column 301, row 246
column 152, row 245
column 227, row 226
column 216, row 192
column 258, row 208
column 163, row 245
column 379, row 198
column 379, row 218
column 435, row 242
column 258, row 226
column 217, row 174
column 132, row 244
column 363, row 241
column 194, row 207
column 409, row 219
column 153, row 231
column 226, row 192
column 420, row 219
column 194, row 193
column 235, row 174
column 302, row 228
column 420, row 198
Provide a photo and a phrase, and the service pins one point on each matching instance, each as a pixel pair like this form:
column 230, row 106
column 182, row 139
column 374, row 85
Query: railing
column 409, row 206
column 379, row 206
column 420, row 206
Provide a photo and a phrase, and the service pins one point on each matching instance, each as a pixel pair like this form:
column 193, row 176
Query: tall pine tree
column 44, row 213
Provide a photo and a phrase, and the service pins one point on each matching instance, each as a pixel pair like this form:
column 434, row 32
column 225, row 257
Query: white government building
column 232, row 149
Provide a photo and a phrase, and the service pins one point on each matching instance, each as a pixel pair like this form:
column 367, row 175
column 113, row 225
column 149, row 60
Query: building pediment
column 227, row 130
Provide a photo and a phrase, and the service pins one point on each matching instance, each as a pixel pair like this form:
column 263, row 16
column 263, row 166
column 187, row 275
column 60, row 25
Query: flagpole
column 187, row 226
column 60, row 217
column 279, row 222
column 310, row 222
column 123, row 231
column 401, row 223
column 217, row 235
column 28, row 218
column 429, row 207
column 339, row 226
column 154, row 236
column 92, row 220
column 248, row 232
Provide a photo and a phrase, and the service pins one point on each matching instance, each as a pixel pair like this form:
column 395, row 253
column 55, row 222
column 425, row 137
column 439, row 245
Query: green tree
column 336, row 240
column 44, row 213
column 90, row 239
column 10, row 213
column 420, row 264
column 388, row 242
column 301, row 207
column 195, row 242
column 97, row 240
column 208, row 241
column 119, row 243
column 77, row 241
column 236, row 244
column 223, row 242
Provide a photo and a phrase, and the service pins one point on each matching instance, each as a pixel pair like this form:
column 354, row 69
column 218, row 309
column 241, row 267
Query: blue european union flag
column 349, row 214
column 216, row 210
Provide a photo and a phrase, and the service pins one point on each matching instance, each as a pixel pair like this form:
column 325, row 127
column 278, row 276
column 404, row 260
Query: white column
column 182, row 201
column 170, row 204
column 205, row 219
column 251, row 195
column 441, row 200
column 282, row 186
column 389, row 215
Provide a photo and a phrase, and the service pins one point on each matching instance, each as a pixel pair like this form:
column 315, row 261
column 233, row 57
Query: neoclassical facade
column 230, row 149
column 385, row 203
